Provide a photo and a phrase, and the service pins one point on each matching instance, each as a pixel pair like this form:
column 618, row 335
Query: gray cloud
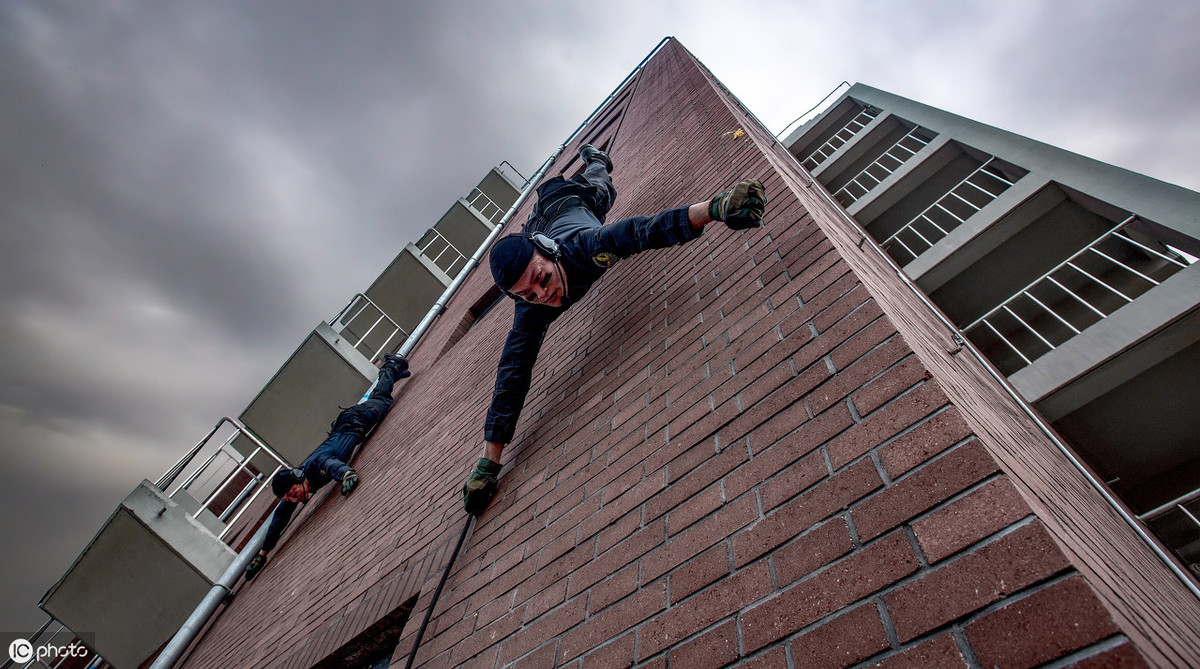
column 187, row 188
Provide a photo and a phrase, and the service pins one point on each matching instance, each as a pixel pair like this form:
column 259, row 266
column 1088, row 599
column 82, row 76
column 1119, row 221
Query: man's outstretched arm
column 739, row 208
column 513, row 375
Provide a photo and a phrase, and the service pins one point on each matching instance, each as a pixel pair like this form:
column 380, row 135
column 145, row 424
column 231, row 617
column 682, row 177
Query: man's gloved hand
column 255, row 566
column 398, row 364
column 481, row 487
column 742, row 207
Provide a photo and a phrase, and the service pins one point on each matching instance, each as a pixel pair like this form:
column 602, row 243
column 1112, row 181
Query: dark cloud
column 187, row 188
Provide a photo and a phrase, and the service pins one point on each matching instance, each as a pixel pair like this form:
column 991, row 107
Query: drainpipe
column 223, row 588
column 440, row 305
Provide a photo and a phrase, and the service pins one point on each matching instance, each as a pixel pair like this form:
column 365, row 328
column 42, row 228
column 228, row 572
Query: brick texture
column 748, row 448
column 1041, row 627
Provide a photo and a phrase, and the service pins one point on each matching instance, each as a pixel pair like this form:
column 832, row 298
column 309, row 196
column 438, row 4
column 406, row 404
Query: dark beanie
column 510, row 256
column 284, row 479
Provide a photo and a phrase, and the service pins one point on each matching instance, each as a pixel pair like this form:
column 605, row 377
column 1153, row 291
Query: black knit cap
column 509, row 257
column 284, row 479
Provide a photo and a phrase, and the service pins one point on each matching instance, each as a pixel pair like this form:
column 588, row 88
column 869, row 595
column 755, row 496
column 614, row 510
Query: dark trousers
column 592, row 190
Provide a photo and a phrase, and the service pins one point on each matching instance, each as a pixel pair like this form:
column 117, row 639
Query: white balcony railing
column 480, row 202
column 444, row 254
column 352, row 323
column 1105, row 275
column 953, row 209
column 839, row 138
column 884, row 166
column 226, row 483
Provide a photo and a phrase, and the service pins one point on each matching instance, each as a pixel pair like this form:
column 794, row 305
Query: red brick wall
column 742, row 450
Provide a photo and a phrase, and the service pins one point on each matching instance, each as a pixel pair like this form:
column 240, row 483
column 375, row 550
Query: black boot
column 590, row 153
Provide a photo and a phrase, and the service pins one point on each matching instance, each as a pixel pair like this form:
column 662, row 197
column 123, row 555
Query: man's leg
column 593, row 190
column 601, row 193
column 366, row 415
column 370, row 412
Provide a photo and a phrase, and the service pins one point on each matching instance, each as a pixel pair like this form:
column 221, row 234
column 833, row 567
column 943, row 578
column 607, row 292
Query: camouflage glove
column 255, row 566
column 481, row 487
column 742, row 207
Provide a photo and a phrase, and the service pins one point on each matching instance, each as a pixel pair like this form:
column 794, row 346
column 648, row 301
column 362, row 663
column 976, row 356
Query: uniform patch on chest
column 604, row 259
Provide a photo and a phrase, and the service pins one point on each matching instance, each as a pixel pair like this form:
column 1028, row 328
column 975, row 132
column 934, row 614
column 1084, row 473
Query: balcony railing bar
column 475, row 195
column 1028, row 327
column 1096, row 279
column 1178, row 501
column 830, row 146
column 449, row 247
column 899, row 148
column 1007, row 342
column 259, row 480
column 1079, row 299
column 1038, row 280
column 1155, row 252
column 1187, row 513
column 367, row 302
column 954, row 192
column 202, row 468
column 925, row 239
column 1052, row 312
column 1114, row 261
column 897, row 240
column 241, row 496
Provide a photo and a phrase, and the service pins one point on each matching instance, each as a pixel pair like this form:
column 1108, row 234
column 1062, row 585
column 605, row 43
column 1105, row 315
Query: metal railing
column 524, row 181
column 1177, row 503
column 350, row 316
column 1183, row 536
column 480, row 202
column 37, row 640
column 435, row 241
column 884, row 166
column 252, row 481
column 953, row 209
column 840, row 138
column 1104, row 276
column 1139, row 528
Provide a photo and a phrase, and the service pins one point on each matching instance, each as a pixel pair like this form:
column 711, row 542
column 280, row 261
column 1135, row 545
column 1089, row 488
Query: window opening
column 374, row 646
column 482, row 307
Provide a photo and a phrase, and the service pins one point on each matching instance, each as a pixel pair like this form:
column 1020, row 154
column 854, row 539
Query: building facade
column 136, row 582
column 1077, row 279
column 787, row 447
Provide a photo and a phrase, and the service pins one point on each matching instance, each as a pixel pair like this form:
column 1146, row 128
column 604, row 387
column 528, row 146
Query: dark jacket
column 588, row 249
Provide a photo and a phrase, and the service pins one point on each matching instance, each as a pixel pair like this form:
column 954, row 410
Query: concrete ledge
column 1103, row 342
column 139, row 578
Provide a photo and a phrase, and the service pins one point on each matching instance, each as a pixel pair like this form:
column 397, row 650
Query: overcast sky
column 188, row 188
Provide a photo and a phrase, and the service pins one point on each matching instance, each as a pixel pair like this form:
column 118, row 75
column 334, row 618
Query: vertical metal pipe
column 440, row 305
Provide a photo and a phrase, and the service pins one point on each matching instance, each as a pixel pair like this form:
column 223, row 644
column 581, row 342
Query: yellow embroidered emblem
column 604, row 259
